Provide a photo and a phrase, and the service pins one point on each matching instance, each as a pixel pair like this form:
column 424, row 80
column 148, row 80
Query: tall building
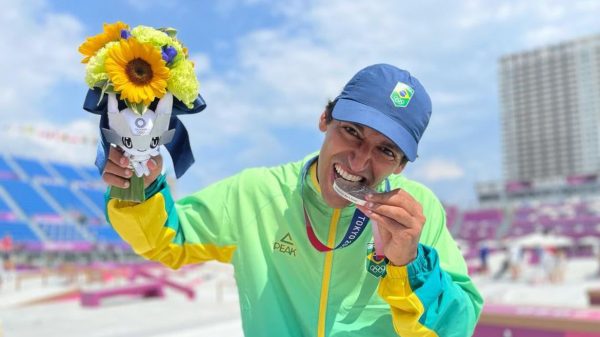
column 550, row 107
column 550, row 111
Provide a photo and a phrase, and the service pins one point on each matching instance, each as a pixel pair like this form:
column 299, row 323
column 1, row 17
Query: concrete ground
column 215, row 312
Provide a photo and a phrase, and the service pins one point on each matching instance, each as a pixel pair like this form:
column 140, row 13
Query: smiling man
column 304, row 257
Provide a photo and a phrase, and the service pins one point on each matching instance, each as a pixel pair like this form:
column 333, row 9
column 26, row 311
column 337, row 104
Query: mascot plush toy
column 139, row 135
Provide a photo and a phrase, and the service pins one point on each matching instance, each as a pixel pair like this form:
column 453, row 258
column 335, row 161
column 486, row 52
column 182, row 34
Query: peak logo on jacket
column 285, row 245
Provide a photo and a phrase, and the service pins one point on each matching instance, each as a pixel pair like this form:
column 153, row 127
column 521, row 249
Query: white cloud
column 552, row 12
column 285, row 77
column 438, row 169
column 71, row 142
column 145, row 5
column 450, row 98
column 545, row 35
column 507, row 11
column 472, row 14
column 40, row 55
column 286, row 74
column 40, row 52
column 202, row 63
column 261, row 147
column 556, row 21
column 586, row 6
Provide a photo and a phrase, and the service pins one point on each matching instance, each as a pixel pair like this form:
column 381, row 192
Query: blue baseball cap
column 388, row 100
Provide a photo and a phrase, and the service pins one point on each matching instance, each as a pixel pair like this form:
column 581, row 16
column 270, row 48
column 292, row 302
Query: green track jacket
column 255, row 221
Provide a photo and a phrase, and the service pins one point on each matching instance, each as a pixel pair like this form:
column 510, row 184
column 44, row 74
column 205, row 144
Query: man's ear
column 400, row 168
column 323, row 122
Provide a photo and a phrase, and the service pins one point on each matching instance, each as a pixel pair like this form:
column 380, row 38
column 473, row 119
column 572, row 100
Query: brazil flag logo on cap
column 401, row 95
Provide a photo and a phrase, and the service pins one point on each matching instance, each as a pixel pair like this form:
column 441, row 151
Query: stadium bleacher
column 573, row 219
column 11, row 225
column 53, row 204
column 91, row 172
column 6, row 172
column 105, row 234
column 61, row 232
column 28, row 199
column 33, row 168
column 480, row 224
column 576, row 220
column 68, row 172
column 95, row 195
column 6, row 212
column 70, row 202
column 19, row 231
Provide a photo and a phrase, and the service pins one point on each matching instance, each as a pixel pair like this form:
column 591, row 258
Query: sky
column 267, row 69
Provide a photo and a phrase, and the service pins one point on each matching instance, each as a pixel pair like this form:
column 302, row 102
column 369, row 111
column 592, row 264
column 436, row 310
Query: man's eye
column 351, row 131
column 388, row 152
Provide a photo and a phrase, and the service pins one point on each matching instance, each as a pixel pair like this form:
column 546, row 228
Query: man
column 278, row 226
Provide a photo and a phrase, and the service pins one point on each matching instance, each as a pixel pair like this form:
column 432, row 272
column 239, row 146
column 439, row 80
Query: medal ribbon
column 357, row 224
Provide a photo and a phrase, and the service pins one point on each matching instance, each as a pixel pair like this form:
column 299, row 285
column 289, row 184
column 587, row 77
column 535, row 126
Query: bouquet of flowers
column 140, row 79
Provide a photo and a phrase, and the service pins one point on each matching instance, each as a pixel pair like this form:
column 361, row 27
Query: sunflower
column 137, row 71
column 112, row 32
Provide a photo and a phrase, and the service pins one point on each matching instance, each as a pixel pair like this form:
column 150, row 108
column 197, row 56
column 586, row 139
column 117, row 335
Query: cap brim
column 352, row 111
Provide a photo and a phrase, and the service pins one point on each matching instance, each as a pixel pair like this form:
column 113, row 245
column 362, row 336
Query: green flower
column 95, row 73
column 183, row 82
column 158, row 39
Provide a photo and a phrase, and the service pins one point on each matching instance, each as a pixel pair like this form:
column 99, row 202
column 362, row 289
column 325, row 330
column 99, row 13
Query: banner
column 51, row 134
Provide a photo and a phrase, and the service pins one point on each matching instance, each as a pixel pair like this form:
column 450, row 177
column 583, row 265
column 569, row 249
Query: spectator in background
column 596, row 254
column 2, row 273
column 7, row 266
column 515, row 259
column 484, row 251
column 505, row 263
column 547, row 260
column 7, row 269
column 560, row 265
column 6, row 245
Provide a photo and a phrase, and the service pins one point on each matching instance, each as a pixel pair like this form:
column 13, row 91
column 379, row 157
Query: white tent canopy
column 542, row 240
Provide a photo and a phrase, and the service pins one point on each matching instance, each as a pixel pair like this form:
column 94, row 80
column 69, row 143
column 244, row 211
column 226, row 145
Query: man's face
column 354, row 152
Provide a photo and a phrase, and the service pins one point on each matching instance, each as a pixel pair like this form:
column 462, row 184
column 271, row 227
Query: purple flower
column 168, row 54
column 125, row 34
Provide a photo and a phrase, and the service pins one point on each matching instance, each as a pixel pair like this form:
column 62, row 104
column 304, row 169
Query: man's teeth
column 346, row 175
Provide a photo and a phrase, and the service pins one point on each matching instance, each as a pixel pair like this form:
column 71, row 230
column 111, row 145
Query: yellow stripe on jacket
column 143, row 227
column 406, row 307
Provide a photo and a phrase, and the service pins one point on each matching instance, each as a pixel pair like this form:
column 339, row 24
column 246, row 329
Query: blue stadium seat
column 6, row 172
column 92, row 171
column 33, row 168
column 4, row 208
column 6, row 213
column 68, row 172
column 61, row 232
column 105, row 234
column 96, row 196
column 19, row 231
column 50, row 221
column 69, row 202
column 27, row 198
